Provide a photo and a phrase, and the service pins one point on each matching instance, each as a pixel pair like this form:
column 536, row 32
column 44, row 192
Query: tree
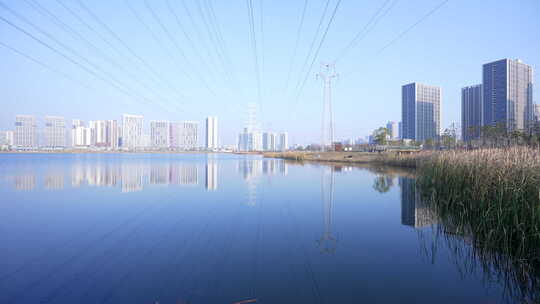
column 381, row 136
column 448, row 138
column 382, row 184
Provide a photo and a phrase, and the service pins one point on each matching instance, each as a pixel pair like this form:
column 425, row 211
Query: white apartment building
column 212, row 133
column 393, row 130
column 6, row 138
column 81, row 136
column 250, row 140
column 25, row 133
column 104, row 134
column 55, row 132
column 159, row 134
column 132, row 131
column 283, row 144
column 269, row 141
column 183, row 135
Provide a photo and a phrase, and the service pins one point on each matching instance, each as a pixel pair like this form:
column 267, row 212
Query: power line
column 178, row 48
column 261, row 21
column 187, row 36
column 66, row 27
column 407, row 30
column 93, row 73
column 120, row 41
column 213, row 21
column 46, row 66
column 213, row 40
column 96, row 69
column 160, row 43
column 231, row 72
column 295, row 49
column 198, row 33
column 319, row 47
column 400, row 35
column 61, row 44
column 312, row 45
column 368, row 27
column 253, row 40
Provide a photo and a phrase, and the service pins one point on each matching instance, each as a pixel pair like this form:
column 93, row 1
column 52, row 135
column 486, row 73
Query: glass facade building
column 471, row 112
column 508, row 94
column 420, row 111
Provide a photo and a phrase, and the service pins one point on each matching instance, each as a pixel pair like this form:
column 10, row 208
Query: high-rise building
column 537, row 112
column 3, row 138
column 400, row 130
column 212, row 133
column 55, row 132
column 159, row 134
column 392, row 128
column 25, row 134
column 132, row 131
column 508, row 94
column 6, row 138
column 283, row 144
column 471, row 112
column 421, row 111
column 104, row 134
column 250, row 141
column 269, row 141
column 81, row 136
column 183, row 135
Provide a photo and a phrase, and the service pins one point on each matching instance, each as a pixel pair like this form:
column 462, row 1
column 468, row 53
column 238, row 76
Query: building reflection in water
column 327, row 242
column 25, row 182
column 211, row 180
column 54, row 181
column 131, row 176
column 415, row 212
column 184, row 174
column 251, row 169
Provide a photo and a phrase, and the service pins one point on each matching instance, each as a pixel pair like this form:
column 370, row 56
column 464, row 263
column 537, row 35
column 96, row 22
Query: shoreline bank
column 363, row 158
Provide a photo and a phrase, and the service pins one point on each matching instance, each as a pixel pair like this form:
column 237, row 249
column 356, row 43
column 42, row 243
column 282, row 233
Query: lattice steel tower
column 327, row 73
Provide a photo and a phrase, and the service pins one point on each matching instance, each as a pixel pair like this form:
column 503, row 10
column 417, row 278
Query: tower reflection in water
column 252, row 169
column 327, row 242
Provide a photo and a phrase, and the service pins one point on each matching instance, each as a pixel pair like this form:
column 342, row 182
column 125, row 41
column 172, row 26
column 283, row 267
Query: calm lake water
column 196, row 228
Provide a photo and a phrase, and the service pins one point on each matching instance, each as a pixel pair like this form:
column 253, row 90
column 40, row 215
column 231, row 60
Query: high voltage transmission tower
column 327, row 73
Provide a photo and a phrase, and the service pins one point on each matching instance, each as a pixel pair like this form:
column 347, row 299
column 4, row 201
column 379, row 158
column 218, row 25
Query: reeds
column 493, row 197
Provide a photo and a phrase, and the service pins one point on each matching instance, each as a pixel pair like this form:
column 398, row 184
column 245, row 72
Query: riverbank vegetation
column 492, row 196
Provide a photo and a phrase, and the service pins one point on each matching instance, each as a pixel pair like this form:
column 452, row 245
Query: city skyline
column 35, row 90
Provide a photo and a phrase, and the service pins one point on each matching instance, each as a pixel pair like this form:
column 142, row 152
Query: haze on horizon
column 203, row 57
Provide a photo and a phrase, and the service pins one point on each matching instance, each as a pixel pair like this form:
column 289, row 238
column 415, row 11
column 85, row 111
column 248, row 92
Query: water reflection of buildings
column 132, row 177
column 54, row 181
column 25, row 182
column 129, row 176
column 211, row 181
column 184, row 174
column 415, row 212
column 252, row 169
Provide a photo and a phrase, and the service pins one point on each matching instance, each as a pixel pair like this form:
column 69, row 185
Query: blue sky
column 446, row 49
